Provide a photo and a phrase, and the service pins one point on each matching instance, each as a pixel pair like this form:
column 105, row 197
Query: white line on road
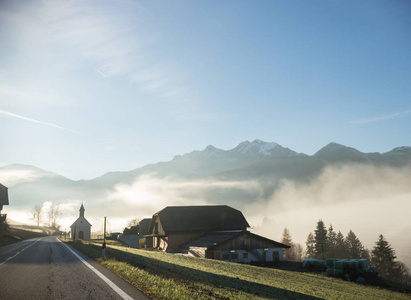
column 106, row 280
column 11, row 257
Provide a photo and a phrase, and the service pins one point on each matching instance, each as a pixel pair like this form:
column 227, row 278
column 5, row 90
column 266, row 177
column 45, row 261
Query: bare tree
column 54, row 213
column 37, row 213
column 133, row 222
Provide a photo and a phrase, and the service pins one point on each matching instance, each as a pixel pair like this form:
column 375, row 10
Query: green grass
column 169, row 276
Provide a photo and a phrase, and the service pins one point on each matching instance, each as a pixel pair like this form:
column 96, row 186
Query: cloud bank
column 368, row 199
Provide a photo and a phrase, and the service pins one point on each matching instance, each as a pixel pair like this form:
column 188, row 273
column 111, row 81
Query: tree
column 320, row 240
column 354, row 246
column 310, row 243
column 402, row 273
column 298, row 252
column 286, row 239
column 340, row 246
column 331, row 242
column 37, row 213
column 383, row 258
column 54, row 213
column 133, row 222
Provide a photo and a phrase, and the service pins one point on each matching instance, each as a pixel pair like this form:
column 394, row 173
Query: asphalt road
column 45, row 268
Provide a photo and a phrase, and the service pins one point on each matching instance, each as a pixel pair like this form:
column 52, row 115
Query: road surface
column 45, row 268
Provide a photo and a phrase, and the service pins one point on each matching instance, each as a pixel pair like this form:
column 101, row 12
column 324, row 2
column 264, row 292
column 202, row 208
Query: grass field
column 16, row 233
column 169, row 276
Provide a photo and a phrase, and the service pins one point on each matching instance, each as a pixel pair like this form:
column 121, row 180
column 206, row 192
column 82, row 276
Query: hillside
column 17, row 233
column 168, row 276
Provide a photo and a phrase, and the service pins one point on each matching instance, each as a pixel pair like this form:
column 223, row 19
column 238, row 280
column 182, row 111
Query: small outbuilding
column 81, row 228
column 236, row 246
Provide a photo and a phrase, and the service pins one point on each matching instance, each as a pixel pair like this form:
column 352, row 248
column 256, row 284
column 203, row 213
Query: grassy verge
column 167, row 276
column 17, row 233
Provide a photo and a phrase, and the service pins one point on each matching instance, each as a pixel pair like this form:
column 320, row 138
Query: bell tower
column 82, row 210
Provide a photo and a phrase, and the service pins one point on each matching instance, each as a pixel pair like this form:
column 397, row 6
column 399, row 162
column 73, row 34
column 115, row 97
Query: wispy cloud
column 381, row 118
column 6, row 113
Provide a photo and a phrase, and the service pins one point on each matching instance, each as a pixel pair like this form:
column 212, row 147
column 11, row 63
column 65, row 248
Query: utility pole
column 103, row 249
column 104, row 230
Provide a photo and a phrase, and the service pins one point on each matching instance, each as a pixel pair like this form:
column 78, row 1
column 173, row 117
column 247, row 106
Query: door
column 81, row 235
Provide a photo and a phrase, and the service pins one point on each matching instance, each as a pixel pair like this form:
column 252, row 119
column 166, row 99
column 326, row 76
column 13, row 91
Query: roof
column 4, row 196
column 213, row 239
column 201, row 218
column 144, row 226
column 81, row 221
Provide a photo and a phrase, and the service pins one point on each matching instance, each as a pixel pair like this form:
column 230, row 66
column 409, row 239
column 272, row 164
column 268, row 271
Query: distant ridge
column 212, row 160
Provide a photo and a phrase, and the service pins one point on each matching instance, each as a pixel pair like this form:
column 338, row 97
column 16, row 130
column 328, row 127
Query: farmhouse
column 218, row 232
column 81, row 228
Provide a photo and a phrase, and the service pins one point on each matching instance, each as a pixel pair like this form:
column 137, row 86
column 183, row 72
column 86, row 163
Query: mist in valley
column 369, row 199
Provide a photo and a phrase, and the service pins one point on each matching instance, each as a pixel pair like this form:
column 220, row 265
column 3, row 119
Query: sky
column 88, row 87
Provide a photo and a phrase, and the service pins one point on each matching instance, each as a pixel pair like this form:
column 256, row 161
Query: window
column 245, row 255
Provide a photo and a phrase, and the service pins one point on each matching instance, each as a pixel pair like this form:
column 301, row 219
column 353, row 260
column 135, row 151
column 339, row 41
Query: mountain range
column 251, row 172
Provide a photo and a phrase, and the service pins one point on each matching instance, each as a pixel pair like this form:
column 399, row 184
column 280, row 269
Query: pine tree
column 289, row 254
column 320, row 240
column 383, row 258
column 310, row 243
column 354, row 245
column 331, row 242
column 340, row 246
column 298, row 252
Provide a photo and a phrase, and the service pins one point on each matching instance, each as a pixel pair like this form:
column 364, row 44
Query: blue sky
column 88, row 87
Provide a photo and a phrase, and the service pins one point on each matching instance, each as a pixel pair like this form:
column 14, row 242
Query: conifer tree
column 310, row 244
column 320, row 240
column 383, row 258
column 331, row 242
column 289, row 254
column 340, row 246
column 354, row 246
column 298, row 252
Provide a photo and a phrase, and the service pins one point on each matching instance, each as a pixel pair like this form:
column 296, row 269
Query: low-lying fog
column 367, row 199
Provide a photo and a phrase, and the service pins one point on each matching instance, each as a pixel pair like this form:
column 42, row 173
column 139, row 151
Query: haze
column 93, row 87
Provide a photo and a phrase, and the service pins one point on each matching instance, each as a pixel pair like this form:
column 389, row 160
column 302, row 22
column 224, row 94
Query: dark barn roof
column 201, row 218
column 144, row 226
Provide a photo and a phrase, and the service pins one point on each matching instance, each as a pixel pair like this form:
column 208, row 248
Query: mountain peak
column 261, row 148
column 337, row 152
column 403, row 149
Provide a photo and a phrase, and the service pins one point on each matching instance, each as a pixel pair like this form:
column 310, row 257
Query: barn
column 175, row 226
column 210, row 231
column 243, row 247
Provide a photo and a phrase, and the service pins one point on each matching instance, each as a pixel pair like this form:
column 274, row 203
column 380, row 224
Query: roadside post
column 103, row 249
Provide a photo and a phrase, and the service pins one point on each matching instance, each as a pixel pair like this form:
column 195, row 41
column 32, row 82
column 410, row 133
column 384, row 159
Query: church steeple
column 82, row 210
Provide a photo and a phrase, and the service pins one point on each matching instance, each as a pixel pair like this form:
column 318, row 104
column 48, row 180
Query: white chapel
column 81, row 228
